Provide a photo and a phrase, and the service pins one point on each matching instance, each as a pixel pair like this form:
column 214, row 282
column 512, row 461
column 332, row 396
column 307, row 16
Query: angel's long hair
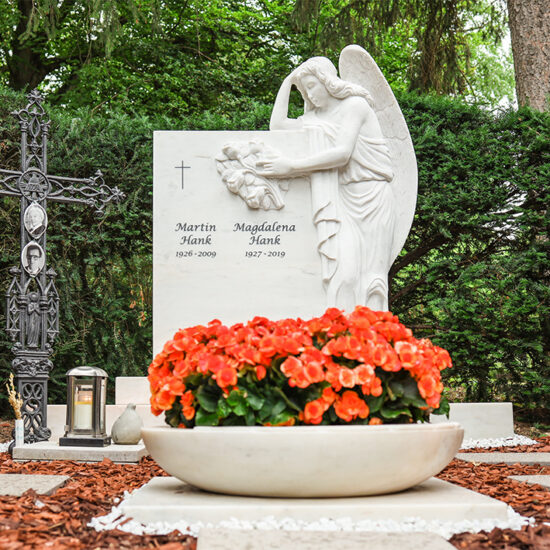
column 323, row 69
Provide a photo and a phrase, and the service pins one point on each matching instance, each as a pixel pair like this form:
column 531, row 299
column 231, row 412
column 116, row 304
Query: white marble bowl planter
column 305, row 461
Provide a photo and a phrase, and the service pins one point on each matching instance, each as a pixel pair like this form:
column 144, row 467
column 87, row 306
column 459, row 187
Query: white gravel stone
column 444, row 528
column 499, row 442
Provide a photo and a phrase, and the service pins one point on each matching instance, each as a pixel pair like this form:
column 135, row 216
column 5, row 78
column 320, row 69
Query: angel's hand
column 275, row 167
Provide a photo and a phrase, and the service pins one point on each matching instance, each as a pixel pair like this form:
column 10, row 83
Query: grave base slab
column 16, row 484
column 542, row 459
column 542, row 480
column 50, row 450
column 168, row 500
column 233, row 539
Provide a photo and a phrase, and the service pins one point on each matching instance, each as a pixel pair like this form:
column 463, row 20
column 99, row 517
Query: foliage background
column 474, row 275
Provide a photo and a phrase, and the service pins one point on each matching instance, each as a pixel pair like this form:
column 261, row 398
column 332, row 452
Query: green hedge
column 473, row 276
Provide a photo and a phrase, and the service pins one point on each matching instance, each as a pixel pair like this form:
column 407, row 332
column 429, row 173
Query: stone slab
column 57, row 418
column 507, row 458
column 544, row 481
column 234, row 539
column 132, row 389
column 481, row 420
column 50, row 450
column 209, row 246
column 16, row 484
column 167, row 499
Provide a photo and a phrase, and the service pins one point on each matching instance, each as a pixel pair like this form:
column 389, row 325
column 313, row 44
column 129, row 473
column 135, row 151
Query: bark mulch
column 59, row 521
column 528, row 500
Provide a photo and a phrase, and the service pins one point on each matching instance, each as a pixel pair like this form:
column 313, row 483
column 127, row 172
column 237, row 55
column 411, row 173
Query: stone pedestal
column 166, row 499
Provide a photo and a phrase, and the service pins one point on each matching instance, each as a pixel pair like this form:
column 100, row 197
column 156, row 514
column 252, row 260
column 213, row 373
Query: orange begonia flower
column 364, row 374
column 314, row 410
column 349, row 406
column 346, row 377
column 226, row 377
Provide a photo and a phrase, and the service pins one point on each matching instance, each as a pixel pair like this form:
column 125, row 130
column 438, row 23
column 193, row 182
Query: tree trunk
column 529, row 22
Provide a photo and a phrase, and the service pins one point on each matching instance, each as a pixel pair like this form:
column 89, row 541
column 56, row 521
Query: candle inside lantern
column 83, row 409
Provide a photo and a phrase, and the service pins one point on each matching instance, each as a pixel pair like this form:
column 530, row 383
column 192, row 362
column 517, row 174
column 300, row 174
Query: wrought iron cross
column 32, row 312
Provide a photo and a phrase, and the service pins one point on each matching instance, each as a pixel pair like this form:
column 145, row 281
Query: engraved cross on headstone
column 32, row 300
column 182, row 168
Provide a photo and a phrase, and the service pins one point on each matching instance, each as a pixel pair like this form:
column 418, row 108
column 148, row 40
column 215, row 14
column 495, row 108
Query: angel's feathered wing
column 357, row 66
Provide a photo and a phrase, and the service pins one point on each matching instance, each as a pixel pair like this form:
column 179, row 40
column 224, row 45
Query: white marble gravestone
column 213, row 256
column 288, row 222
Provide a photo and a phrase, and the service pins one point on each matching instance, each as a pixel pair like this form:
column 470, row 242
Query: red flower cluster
column 337, row 354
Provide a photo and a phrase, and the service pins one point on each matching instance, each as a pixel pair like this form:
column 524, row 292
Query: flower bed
column 361, row 368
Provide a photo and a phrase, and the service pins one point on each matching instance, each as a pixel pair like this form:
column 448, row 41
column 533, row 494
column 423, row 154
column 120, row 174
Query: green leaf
column 390, row 413
column 250, row 418
column 223, row 409
column 237, row 402
column 255, row 401
column 207, row 398
column 374, row 403
column 397, row 388
column 204, row 419
column 282, row 417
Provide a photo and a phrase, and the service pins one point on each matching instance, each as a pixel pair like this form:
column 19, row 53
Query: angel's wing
column 357, row 66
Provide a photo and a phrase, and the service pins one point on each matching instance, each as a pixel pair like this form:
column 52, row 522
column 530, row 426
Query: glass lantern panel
column 83, row 406
column 102, row 408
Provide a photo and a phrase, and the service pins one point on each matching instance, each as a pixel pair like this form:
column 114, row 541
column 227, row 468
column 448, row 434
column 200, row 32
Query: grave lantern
column 86, row 396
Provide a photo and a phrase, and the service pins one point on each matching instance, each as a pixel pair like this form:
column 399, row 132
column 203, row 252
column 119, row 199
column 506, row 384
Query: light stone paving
column 534, row 480
column 232, row 539
column 507, row 458
column 50, row 450
column 166, row 499
column 16, row 484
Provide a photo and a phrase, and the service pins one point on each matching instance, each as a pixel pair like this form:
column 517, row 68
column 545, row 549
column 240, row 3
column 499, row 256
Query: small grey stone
column 126, row 429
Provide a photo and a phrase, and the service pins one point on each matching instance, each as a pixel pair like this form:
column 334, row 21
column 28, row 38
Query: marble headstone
column 214, row 257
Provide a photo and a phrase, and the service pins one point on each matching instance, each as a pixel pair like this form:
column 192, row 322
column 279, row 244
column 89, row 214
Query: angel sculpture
column 362, row 169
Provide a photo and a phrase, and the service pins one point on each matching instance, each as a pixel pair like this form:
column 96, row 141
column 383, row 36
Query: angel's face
column 316, row 91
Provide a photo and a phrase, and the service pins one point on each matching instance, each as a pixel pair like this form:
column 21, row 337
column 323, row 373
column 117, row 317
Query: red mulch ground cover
column 60, row 523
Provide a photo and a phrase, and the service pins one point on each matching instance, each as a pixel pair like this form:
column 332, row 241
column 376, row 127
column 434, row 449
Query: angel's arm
column 352, row 118
column 279, row 116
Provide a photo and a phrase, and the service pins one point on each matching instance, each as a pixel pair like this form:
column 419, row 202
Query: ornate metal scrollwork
column 32, row 299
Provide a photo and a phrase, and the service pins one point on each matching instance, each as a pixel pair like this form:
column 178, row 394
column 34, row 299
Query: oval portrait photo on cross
column 33, row 258
column 36, row 220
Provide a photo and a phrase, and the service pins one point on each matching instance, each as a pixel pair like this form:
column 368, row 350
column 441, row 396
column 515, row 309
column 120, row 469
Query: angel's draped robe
column 354, row 213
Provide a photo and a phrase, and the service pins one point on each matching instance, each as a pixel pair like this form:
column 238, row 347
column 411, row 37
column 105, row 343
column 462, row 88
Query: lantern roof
column 87, row 371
